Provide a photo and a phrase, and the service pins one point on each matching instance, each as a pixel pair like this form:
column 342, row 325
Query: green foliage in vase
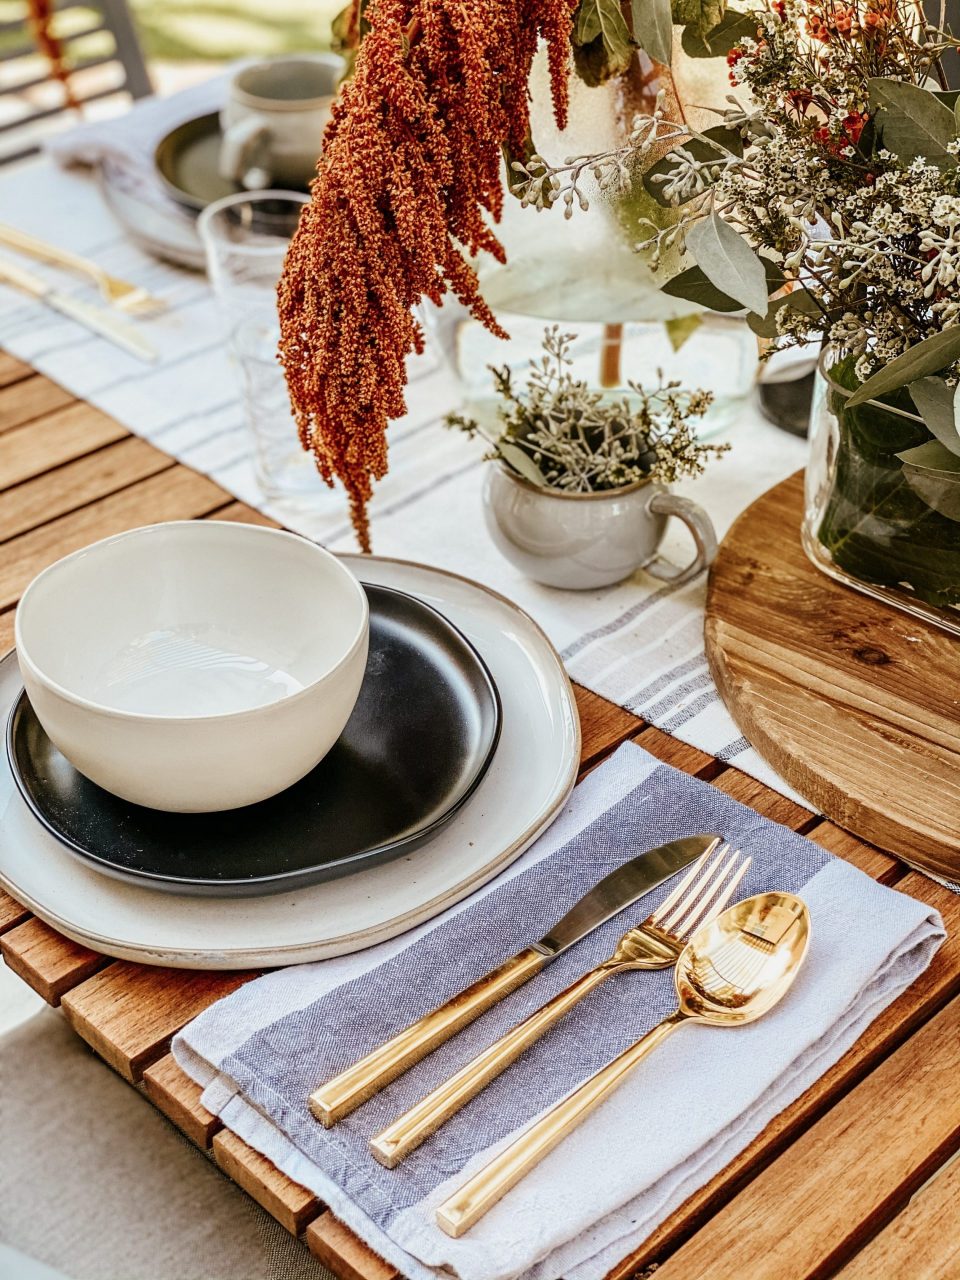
column 881, row 523
column 557, row 433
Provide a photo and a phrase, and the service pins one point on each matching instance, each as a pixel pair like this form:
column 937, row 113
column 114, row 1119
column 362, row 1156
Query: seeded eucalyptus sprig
column 559, row 434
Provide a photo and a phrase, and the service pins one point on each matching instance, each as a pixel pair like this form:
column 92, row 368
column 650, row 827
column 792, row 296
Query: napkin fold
column 128, row 142
column 684, row 1113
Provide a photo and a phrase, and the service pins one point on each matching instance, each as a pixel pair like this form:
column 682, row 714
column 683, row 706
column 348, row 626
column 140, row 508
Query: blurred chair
column 101, row 52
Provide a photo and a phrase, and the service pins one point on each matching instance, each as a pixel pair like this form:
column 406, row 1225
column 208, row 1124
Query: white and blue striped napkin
column 684, row 1114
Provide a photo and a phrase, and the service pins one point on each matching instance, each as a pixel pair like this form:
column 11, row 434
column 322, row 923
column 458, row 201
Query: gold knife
column 357, row 1084
column 97, row 319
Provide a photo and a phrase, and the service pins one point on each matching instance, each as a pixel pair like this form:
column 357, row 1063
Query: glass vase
column 873, row 520
column 583, row 275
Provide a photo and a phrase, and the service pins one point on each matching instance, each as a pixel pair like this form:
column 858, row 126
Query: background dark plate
column 188, row 162
column 419, row 741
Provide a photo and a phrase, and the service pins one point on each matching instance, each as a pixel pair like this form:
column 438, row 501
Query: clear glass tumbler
column 245, row 238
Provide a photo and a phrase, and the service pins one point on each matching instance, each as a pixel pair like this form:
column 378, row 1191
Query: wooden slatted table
column 855, row 1178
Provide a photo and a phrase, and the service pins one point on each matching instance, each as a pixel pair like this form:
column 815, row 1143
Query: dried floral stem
column 410, row 168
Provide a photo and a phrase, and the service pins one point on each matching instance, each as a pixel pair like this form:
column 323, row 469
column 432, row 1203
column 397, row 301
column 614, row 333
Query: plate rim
column 287, row 880
column 233, row 958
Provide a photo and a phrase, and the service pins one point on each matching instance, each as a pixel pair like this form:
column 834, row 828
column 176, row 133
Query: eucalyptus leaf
column 602, row 46
column 799, row 299
column 653, row 28
column 933, row 473
column 719, row 40
column 932, row 355
column 913, row 122
column 729, row 139
column 693, row 286
column 603, row 18
column 935, row 403
column 700, row 15
column 729, row 263
column 521, row 462
column 683, row 327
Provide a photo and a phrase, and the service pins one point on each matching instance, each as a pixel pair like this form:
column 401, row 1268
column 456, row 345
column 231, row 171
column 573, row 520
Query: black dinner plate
column 419, row 741
column 188, row 162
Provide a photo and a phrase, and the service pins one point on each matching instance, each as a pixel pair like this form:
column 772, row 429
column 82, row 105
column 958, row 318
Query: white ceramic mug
column 586, row 540
column 274, row 119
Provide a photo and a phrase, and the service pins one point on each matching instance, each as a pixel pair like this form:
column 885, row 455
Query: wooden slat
column 878, row 865
column 603, row 725
column 178, row 1097
column 293, row 1206
column 931, row 991
column 240, row 513
column 29, row 399
column 770, row 803
column 174, row 494
column 338, row 1248
column 12, row 370
column 844, row 1177
column 11, row 912
column 130, row 1012
column 922, row 1241
column 674, row 752
column 47, row 961
column 54, row 439
column 77, row 484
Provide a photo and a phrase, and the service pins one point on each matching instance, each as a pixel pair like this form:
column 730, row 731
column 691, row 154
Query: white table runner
column 640, row 644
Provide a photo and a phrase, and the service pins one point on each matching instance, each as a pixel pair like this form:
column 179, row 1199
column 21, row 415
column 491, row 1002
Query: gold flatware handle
column 14, row 238
column 414, row 1126
column 460, row 1211
column 347, row 1091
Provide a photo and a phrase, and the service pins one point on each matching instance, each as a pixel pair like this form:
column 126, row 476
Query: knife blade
column 97, row 319
column 616, row 891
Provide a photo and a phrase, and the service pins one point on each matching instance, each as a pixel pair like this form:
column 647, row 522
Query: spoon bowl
column 737, row 967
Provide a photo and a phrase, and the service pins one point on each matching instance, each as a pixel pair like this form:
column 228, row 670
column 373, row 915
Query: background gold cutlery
column 654, row 944
column 622, row 887
column 733, row 970
column 97, row 319
column 130, row 298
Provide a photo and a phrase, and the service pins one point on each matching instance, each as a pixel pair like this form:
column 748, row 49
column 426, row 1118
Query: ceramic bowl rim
column 545, row 491
column 118, row 713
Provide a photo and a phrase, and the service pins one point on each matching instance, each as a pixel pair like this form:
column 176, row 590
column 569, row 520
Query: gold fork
column 655, row 943
column 130, row 298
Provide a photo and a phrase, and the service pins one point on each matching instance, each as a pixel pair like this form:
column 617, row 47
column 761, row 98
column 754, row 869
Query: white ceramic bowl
column 197, row 665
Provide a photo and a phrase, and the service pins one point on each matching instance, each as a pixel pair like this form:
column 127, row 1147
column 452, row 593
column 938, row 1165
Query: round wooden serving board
column 854, row 703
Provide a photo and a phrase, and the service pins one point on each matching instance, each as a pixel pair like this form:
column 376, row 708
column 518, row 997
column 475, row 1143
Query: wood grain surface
column 827, row 1184
column 856, row 704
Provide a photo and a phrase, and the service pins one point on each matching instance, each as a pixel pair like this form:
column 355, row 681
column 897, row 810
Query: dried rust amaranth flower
column 411, row 160
column 50, row 45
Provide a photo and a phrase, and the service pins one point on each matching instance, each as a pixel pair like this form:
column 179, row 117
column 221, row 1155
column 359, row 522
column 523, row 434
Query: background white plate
column 531, row 775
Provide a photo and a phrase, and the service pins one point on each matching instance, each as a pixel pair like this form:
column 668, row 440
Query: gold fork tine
column 683, row 923
column 681, row 888
column 727, row 894
column 666, row 918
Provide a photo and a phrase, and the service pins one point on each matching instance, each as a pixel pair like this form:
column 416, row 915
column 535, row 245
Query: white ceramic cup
column 197, row 665
column 274, row 119
column 582, row 541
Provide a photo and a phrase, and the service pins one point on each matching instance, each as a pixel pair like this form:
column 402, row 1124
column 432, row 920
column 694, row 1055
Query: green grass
column 215, row 30
column 200, row 30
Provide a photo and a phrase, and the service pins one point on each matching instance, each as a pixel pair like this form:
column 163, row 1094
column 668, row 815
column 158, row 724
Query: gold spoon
column 732, row 971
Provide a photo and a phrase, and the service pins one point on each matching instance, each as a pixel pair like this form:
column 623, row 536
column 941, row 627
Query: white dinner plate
column 531, row 776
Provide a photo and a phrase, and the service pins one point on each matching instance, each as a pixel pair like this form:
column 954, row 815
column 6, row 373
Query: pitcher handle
column 238, row 144
column 701, row 528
